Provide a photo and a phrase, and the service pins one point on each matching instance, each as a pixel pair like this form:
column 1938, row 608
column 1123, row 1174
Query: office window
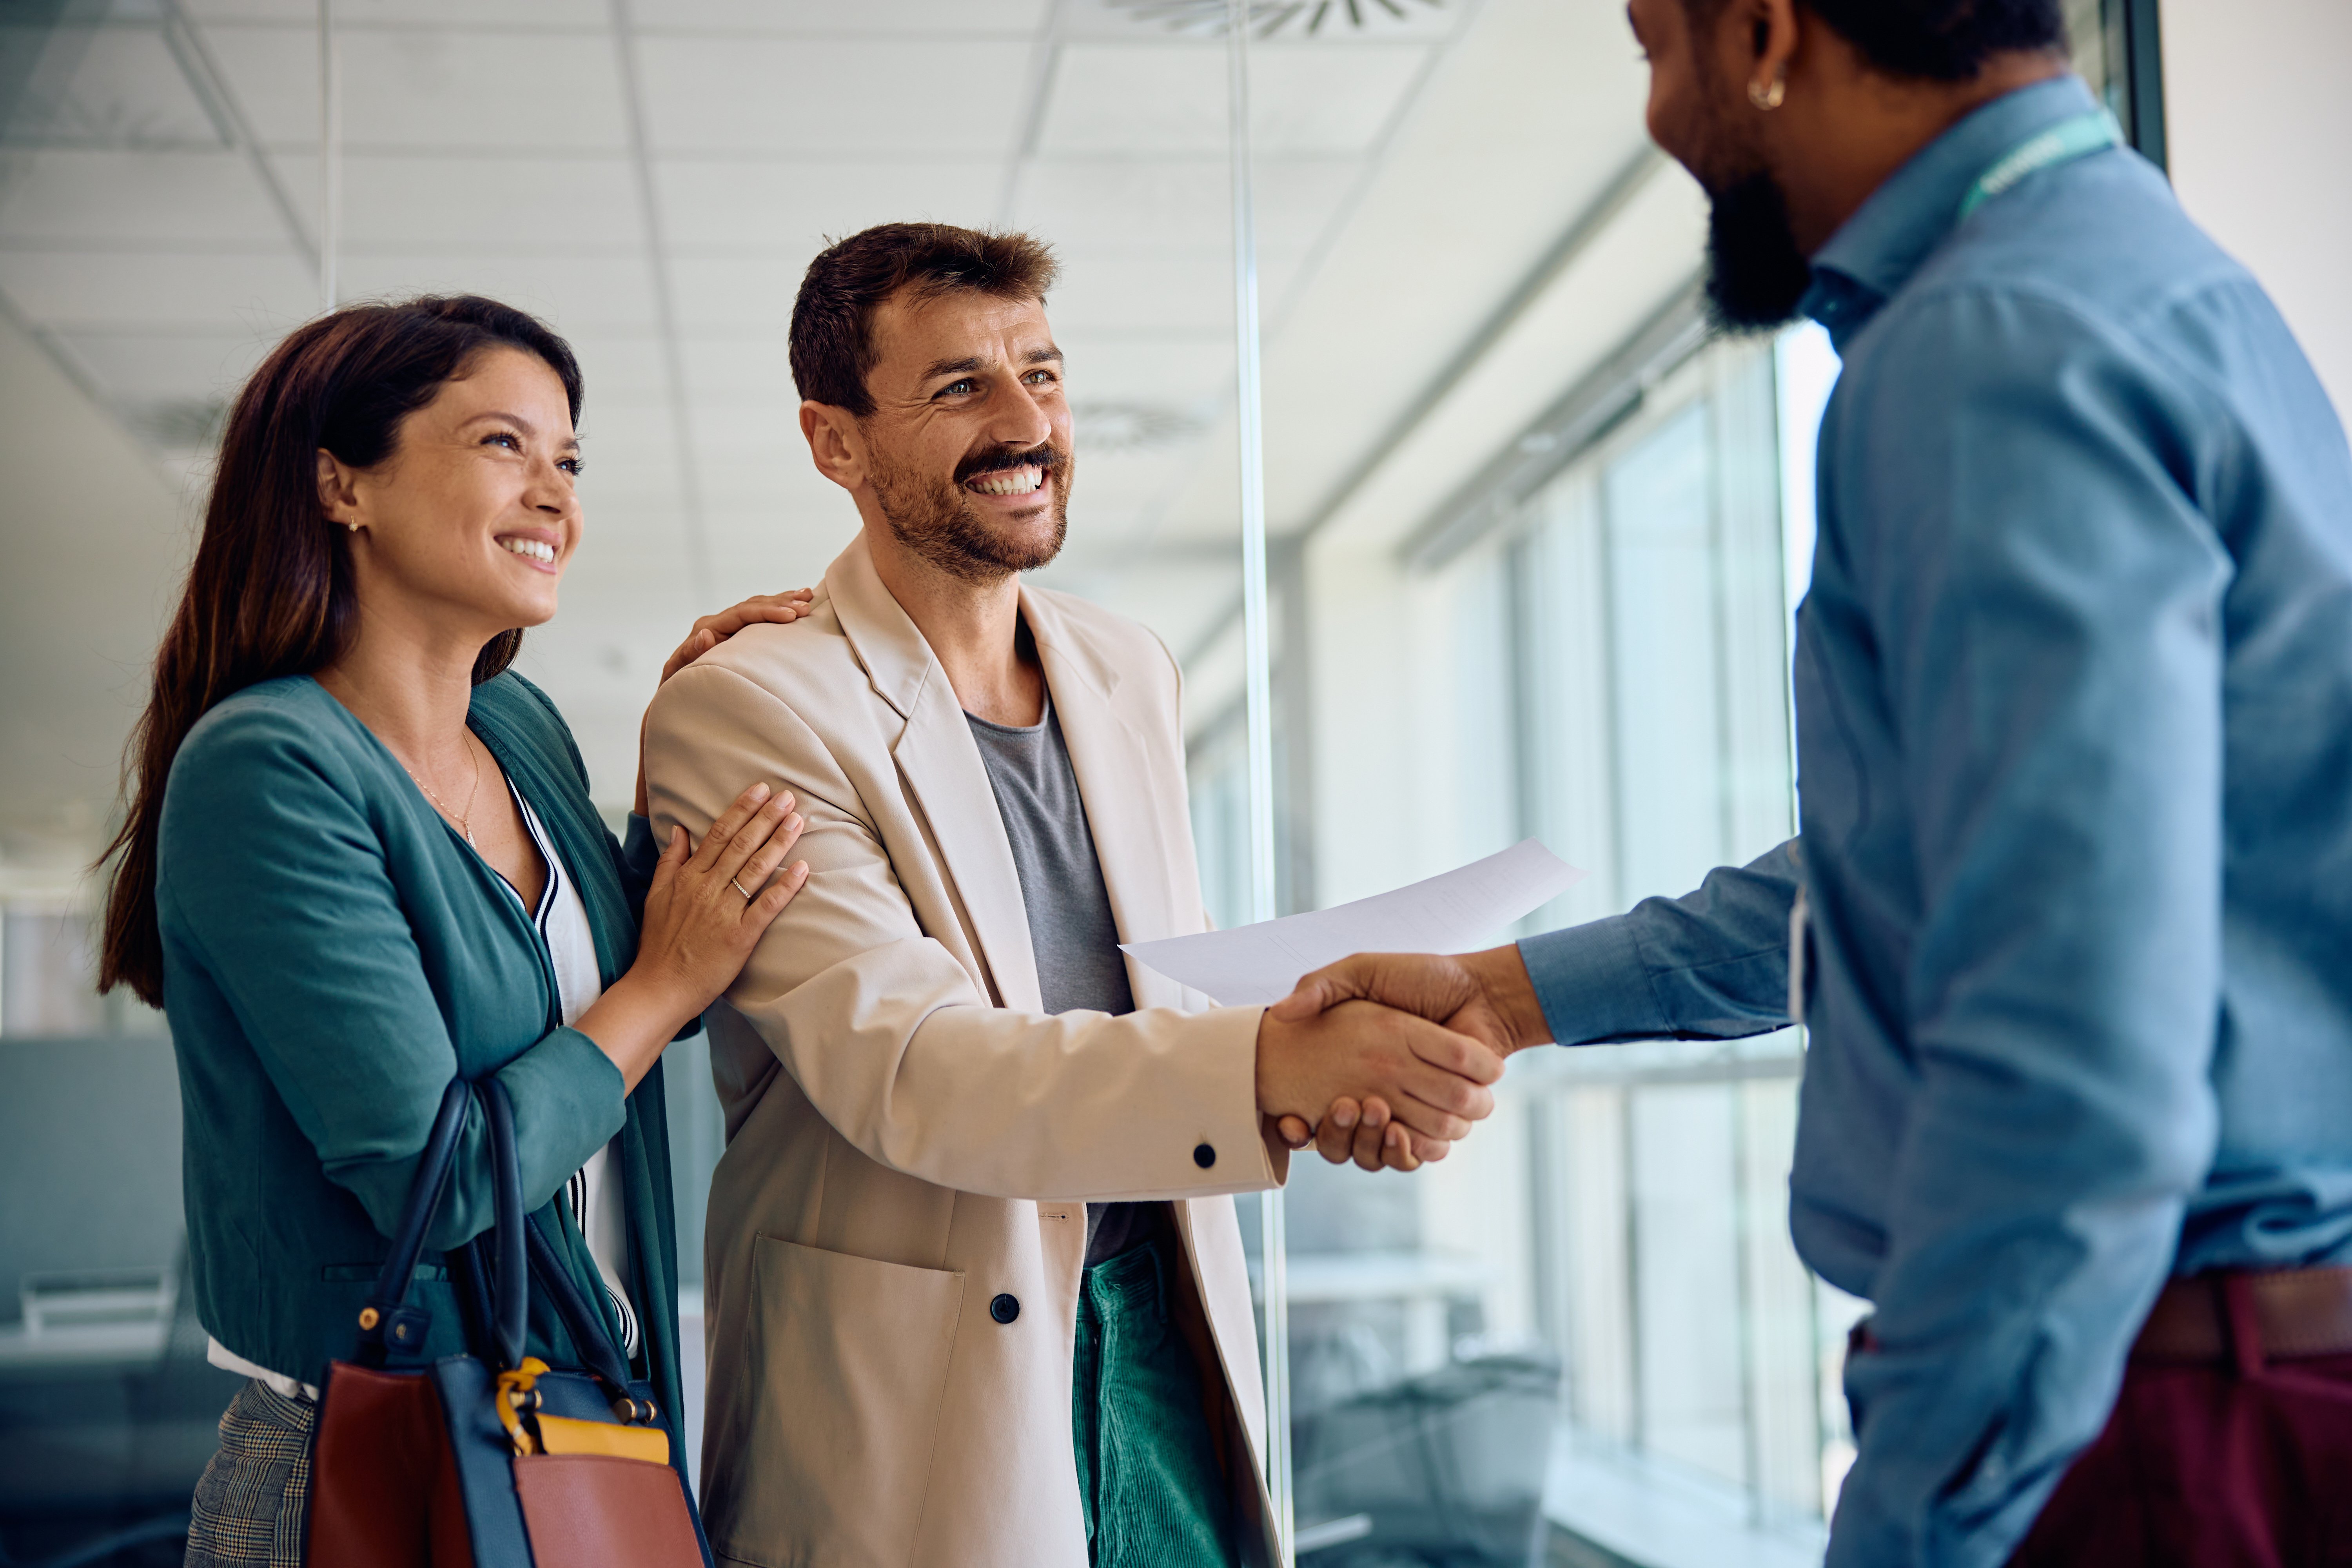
column 1604, row 670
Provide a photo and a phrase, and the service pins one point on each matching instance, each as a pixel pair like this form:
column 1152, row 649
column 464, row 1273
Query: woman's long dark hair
column 270, row 592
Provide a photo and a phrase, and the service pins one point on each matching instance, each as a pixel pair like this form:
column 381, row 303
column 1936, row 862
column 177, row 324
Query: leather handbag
column 490, row 1459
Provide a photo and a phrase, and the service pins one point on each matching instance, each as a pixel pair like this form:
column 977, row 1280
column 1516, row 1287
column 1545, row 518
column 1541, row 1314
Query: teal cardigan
column 334, row 954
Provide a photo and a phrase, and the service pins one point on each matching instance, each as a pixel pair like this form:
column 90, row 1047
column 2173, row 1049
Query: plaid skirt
column 251, row 1498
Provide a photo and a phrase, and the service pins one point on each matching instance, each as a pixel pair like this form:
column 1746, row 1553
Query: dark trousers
column 2207, row 1465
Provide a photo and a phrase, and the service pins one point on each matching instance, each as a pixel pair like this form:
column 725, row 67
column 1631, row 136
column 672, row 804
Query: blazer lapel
column 1125, row 794
column 941, row 767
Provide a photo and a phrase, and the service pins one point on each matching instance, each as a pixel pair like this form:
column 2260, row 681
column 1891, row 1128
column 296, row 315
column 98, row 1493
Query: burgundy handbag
column 490, row 1459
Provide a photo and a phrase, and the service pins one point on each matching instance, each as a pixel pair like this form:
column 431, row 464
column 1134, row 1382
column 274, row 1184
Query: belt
column 2250, row 1317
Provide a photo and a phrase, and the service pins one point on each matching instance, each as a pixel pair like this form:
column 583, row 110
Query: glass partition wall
column 1528, row 540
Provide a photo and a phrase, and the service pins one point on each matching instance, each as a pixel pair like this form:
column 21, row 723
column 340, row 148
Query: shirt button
column 1203, row 1156
column 1005, row 1309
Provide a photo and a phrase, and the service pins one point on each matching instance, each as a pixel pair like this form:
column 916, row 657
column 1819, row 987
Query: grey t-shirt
column 1071, row 929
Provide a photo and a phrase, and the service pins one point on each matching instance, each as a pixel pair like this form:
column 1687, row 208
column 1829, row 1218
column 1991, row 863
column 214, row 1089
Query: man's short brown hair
column 833, row 319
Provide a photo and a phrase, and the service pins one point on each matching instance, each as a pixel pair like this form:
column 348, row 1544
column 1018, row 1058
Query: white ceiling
column 653, row 176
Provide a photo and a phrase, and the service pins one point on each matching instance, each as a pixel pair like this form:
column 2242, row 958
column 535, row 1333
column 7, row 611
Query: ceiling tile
column 188, row 197
column 1152, row 292
column 190, row 368
column 502, row 90
column 621, row 372
column 1170, row 97
column 796, row 206
column 359, row 13
column 273, row 73
column 740, row 95
column 1128, row 201
column 1160, row 96
column 751, row 368
column 260, row 292
column 1128, row 19
column 117, row 86
column 929, row 18
column 424, row 202
column 575, row 293
column 734, row 294
column 1305, row 98
column 1178, row 200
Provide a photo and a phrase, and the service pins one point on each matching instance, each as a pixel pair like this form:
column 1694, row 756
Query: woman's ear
column 338, row 491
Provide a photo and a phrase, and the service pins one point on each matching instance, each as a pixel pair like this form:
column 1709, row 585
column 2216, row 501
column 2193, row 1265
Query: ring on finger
column 739, row 888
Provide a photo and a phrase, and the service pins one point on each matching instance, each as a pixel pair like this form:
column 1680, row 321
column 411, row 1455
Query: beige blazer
column 911, row 1141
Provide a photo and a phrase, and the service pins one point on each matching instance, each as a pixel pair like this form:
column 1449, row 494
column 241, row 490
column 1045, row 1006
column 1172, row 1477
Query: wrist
column 1502, row 977
column 644, row 990
column 1267, row 1083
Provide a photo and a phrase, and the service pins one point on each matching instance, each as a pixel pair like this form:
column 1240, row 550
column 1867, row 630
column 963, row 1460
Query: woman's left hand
column 783, row 609
column 709, row 632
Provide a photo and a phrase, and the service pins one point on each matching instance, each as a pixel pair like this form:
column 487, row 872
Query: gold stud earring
column 352, row 526
column 1769, row 97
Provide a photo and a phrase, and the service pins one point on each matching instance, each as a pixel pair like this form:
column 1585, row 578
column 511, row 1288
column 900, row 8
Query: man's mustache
column 1045, row 456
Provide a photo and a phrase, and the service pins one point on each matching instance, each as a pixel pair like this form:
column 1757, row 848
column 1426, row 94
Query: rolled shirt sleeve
column 2048, row 622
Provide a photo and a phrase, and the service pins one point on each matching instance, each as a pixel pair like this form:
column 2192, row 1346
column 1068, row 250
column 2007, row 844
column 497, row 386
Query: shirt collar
column 1884, row 244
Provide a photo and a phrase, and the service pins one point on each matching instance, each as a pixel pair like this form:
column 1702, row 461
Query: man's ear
column 836, row 445
column 339, row 492
column 1772, row 38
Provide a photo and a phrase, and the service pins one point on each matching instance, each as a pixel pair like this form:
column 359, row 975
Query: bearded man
column 2073, row 901
column 974, row 1284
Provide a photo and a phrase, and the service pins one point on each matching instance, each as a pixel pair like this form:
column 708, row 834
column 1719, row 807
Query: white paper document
column 1452, row 913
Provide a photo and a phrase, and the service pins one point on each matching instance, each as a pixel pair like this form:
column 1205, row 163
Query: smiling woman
column 361, row 862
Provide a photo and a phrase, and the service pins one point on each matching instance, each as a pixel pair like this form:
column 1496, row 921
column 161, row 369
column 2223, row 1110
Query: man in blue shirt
column 2074, row 696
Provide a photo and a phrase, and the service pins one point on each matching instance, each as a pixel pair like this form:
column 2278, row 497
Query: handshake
column 1386, row 1057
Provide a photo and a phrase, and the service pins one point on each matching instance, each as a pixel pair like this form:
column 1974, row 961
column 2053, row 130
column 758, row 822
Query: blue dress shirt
column 2074, row 695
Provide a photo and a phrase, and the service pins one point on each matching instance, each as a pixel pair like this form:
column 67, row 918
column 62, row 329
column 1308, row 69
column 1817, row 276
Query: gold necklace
column 464, row 823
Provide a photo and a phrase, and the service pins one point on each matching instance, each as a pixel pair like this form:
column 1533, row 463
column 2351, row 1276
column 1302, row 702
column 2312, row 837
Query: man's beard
column 1755, row 274
column 938, row 522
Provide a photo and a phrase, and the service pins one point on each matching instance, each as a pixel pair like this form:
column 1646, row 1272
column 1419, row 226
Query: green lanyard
column 2062, row 143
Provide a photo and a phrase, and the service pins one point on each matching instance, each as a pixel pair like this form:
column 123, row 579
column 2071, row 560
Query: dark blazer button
column 1005, row 1309
column 1203, row 1156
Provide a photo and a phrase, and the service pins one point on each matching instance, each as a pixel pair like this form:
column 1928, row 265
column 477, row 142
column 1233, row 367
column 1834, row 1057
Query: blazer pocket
column 848, row 1363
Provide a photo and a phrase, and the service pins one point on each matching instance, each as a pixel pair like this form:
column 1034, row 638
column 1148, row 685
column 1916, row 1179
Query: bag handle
column 587, row 1326
column 387, row 1322
column 510, row 1287
column 523, row 1249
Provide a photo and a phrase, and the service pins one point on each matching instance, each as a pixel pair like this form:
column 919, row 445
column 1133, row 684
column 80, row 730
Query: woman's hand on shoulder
column 707, row 907
column 783, row 609
column 709, row 904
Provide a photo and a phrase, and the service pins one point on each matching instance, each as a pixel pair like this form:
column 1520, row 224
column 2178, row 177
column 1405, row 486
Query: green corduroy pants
column 1147, row 1474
